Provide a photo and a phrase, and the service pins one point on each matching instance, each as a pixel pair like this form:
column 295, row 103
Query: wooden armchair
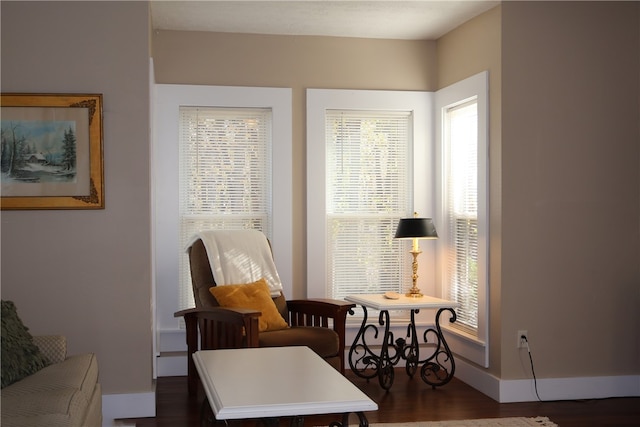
column 316, row 323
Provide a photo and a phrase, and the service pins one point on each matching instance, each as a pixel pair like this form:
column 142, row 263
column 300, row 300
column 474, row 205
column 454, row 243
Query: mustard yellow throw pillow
column 254, row 295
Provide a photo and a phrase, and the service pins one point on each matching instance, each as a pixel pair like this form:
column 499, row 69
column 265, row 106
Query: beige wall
column 563, row 159
column 469, row 49
column 298, row 63
column 570, row 181
column 87, row 274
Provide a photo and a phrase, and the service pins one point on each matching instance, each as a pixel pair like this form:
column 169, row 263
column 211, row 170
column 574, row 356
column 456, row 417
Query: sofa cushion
column 323, row 341
column 52, row 347
column 60, row 393
column 20, row 356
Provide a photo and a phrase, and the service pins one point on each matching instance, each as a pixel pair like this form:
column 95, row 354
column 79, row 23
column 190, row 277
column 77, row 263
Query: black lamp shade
column 416, row 228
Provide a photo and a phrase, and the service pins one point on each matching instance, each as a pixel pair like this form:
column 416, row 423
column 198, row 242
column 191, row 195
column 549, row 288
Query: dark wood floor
column 412, row 400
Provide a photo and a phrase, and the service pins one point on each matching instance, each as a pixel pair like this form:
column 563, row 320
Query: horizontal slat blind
column 368, row 190
column 461, row 130
column 225, row 175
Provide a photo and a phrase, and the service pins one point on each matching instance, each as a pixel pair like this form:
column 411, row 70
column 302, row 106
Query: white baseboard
column 133, row 405
column 570, row 388
column 508, row 391
column 174, row 365
column 478, row 378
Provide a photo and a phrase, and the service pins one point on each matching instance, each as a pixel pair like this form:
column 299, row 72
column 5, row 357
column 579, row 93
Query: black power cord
column 535, row 381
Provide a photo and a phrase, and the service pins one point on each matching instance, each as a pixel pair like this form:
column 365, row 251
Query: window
column 460, row 147
column 243, row 116
column 354, row 202
column 225, row 175
column 366, row 163
column 368, row 191
column 463, row 251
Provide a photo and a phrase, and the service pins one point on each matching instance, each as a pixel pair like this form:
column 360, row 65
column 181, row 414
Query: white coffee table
column 274, row 382
column 437, row 369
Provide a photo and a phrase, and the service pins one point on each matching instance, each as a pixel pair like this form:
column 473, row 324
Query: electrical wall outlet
column 522, row 342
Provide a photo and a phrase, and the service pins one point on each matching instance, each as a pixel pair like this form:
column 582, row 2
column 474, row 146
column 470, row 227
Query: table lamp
column 415, row 228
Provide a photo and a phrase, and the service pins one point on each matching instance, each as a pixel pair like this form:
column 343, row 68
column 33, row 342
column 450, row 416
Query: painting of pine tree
column 37, row 151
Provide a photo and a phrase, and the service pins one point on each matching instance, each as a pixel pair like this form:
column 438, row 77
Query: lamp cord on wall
column 535, row 381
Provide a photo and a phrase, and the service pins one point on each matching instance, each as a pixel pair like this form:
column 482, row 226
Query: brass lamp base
column 414, row 292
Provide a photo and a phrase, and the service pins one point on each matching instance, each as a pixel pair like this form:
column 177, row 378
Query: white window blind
column 368, row 189
column 225, row 175
column 461, row 157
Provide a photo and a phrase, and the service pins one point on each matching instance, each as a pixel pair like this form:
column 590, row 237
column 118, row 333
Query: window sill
column 467, row 346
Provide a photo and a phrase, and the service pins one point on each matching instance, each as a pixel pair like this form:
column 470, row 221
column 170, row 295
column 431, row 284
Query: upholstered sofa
column 52, row 389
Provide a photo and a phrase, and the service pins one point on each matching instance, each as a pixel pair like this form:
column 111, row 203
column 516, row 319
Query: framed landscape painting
column 51, row 151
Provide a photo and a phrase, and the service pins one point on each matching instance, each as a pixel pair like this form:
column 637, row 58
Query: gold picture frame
column 51, row 151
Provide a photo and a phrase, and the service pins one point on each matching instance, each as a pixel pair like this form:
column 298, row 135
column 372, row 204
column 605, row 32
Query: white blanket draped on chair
column 239, row 257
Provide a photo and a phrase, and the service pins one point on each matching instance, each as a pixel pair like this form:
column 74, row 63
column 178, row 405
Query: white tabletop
column 274, row 382
column 380, row 302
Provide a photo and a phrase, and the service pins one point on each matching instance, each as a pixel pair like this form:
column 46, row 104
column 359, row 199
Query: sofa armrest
column 53, row 347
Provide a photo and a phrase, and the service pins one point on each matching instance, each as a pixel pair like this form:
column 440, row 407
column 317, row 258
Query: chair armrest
column 215, row 328
column 307, row 312
column 53, row 347
column 230, row 314
column 212, row 320
column 317, row 313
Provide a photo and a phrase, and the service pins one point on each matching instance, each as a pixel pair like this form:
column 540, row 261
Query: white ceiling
column 398, row 19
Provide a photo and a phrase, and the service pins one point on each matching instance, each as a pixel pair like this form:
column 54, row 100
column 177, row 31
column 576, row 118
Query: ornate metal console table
column 436, row 370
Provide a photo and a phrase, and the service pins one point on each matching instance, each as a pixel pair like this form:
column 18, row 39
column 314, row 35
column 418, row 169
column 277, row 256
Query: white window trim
column 165, row 168
column 475, row 349
column 320, row 100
